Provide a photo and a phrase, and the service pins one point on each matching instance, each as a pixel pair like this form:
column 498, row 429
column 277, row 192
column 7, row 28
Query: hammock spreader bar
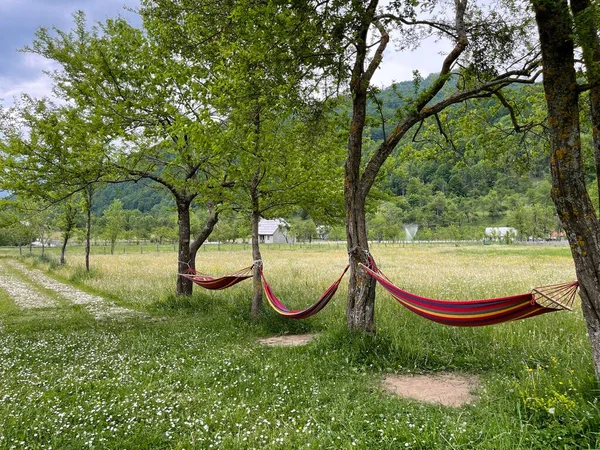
column 215, row 284
column 472, row 313
column 283, row 310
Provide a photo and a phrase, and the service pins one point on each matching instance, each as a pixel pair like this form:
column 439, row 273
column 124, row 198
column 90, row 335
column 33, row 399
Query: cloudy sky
column 23, row 72
column 19, row 19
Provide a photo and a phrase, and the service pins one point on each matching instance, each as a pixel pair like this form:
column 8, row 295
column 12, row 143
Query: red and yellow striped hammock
column 215, row 284
column 463, row 313
column 283, row 310
column 473, row 313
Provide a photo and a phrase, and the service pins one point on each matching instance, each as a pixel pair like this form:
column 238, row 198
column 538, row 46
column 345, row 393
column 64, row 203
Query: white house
column 273, row 231
column 500, row 232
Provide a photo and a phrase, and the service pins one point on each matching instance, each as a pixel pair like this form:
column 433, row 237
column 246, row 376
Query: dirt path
column 24, row 296
column 98, row 307
column 444, row 388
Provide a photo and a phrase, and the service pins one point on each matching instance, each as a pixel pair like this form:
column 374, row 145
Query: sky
column 24, row 72
column 19, row 20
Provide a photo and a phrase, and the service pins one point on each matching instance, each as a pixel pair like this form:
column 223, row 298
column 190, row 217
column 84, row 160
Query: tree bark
column 63, row 248
column 184, row 257
column 188, row 249
column 257, row 292
column 569, row 192
column 89, row 194
column 361, row 290
column 360, row 307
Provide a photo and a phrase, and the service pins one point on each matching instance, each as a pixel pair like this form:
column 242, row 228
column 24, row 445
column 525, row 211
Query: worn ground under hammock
column 198, row 377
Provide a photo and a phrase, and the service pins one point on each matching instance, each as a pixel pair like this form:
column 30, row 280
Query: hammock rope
column 283, row 310
column 472, row 313
column 215, row 284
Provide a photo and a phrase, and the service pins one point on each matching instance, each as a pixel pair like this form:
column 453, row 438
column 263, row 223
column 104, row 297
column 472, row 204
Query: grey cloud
column 19, row 20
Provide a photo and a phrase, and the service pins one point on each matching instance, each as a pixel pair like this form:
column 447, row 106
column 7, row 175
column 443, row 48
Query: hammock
column 215, row 284
column 473, row 313
column 283, row 310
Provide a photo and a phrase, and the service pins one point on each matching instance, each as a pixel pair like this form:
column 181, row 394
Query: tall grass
column 196, row 378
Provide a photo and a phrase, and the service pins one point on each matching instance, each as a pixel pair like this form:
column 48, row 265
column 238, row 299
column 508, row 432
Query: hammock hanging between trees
column 466, row 313
column 473, row 313
column 283, row 310
column 215, row 284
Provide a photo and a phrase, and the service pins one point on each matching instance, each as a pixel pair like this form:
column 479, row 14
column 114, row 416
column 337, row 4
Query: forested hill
column 458, row 172
column 143, row 195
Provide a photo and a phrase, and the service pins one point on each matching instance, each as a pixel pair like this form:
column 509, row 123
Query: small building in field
column 556, row 236
column 501, row 232
column 274, row 231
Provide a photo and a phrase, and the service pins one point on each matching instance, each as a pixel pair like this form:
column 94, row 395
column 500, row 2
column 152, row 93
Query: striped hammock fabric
column 215, row 284
column 283, row 310
column 473, row 313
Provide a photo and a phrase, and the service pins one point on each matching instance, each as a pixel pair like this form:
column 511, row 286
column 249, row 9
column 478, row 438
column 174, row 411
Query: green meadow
column 189, row 373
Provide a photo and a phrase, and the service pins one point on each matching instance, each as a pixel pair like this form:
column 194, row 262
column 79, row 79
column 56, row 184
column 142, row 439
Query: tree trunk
column 88, row 238
column 257, row 292
column 184, row 257
column 63, row 248
column 360, row 308
column 112, row 246
column 89, row 193
column 569, row 192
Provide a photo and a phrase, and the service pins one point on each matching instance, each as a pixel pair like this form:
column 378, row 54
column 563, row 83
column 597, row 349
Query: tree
column 493, row 204
column 337, row 233
column 157, row 115
column 12, row 230
column 556, row 28
column 303, row 230
column 287, row 163
column 60, row 142
column 483, row 45
column 139, row 225
column 114, row 223
column 521, row 218
column 66, row 222
column 263, row 61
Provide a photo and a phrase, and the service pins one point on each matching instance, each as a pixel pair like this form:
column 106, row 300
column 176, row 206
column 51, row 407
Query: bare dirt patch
column 290, row 340
column 445, row 388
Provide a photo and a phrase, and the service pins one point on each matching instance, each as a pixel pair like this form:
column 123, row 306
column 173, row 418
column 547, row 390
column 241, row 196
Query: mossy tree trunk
column 569, row 192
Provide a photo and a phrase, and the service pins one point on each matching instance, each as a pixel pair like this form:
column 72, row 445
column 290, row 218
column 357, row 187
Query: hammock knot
column 257, row 263
column 356, row 250
column 189, row 268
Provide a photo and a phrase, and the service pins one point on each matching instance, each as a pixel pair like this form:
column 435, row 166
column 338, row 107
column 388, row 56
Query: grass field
column 193, row 376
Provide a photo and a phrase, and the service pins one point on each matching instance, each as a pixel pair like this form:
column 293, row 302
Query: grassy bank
column 193, row 375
